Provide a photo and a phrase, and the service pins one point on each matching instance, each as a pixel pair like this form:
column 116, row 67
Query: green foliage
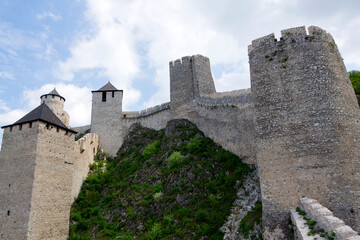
column 355, row 80
column 252, row 217
column 175, row 160
column 151, row 149
column 176, row 187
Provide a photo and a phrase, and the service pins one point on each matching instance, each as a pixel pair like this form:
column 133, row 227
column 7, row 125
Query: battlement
column 146, row 112
column 180, row 61
column 291, row 36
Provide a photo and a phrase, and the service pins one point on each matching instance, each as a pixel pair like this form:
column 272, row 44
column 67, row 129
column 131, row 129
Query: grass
column 179, row 186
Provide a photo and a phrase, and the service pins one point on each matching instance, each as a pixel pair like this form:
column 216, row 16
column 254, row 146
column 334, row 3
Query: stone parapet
column 324, row 220
column 146, row 112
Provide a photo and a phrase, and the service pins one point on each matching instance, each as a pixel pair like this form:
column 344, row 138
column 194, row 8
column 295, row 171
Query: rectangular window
column 47, row 126
column 10, row 129
column 104, row 96
column 30, row 124
column 20, row 127
column 113, row 93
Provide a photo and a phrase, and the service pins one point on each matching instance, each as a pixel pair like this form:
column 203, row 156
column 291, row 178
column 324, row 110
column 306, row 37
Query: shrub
column 202, row 215
column 151, row 149
column 158, row 196
column 154, row 233
column 175, row 160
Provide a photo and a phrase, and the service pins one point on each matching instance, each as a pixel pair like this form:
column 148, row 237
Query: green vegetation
column 355, row 80
column 174, row 186
column 253, row 217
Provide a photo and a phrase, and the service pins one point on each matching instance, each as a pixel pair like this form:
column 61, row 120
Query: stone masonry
column 299, row 123
column 307, row 125
column 41, row 171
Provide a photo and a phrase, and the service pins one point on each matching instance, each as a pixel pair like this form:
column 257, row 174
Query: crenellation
column 299, row 123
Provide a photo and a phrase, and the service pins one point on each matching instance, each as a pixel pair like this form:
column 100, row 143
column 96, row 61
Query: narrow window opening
column 113, row 93
column 57, row 129
column 104, row 96
column 10, row 129
column 66, row 133
column 8, row 213
column 124, row 115
column 9, row 185
column 30, row 125
column 52, row 96
column 94, row 150
column 20, row 127
column 46, row 96
column 47, row 126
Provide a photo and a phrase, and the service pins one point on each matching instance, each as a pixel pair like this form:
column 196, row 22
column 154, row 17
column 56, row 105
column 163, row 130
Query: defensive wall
column 307, row 125
column 299, row 123
column 326, row 224
column 41, row 172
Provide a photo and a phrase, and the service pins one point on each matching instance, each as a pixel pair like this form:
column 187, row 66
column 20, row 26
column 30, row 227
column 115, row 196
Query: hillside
column 168, row 184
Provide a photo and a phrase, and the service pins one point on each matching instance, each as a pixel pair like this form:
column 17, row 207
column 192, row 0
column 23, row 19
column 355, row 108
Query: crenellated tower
column 190, row 78
column 106, row 117
column 307, row 125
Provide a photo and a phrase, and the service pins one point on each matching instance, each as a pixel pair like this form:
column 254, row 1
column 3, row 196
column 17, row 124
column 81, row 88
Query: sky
column 79, row 45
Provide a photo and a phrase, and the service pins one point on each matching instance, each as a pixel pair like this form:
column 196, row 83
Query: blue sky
column 79, row 45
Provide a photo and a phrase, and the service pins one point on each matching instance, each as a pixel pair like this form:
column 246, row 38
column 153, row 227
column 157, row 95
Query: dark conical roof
column 41, row 113
column 108, row 87
column 54, row 93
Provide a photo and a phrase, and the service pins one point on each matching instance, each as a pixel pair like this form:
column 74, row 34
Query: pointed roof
column 53, row 93
column 41, row 113
column 107, row 88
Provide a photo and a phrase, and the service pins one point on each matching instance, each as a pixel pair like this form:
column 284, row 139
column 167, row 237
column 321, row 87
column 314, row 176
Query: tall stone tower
column 56, row 103
column 106, row 117
column 307, row 123
column 36, row 168
column 190, row 77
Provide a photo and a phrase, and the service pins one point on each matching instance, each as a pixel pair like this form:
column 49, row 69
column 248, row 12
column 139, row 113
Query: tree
column 355, row 80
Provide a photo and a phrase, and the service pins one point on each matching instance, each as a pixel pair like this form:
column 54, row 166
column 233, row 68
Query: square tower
column 36, row 167
column 106, row 117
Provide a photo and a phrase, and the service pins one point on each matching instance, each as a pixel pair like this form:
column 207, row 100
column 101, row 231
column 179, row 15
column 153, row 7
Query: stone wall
column 51, row 193
column 325, row 220
column 17, row 167
column 106, row 120
column 36, row 179
column 307, row 125
column 84, row 153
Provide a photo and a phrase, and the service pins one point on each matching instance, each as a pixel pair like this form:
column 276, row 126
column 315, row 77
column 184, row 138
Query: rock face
column 307, row 125
column 173, row 184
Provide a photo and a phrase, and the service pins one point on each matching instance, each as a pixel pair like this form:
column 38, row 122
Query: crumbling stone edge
column 324, row 220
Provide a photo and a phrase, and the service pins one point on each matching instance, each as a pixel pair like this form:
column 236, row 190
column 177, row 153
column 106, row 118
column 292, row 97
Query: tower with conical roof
column 56, row 103
column 106, row 117
column 36, row 171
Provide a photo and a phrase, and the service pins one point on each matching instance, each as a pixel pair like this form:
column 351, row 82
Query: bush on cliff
column 168, row 184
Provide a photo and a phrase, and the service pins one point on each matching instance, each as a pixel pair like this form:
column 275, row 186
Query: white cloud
column 77, row 104
column 125, row 35
column 6, row 75
column 50, row 15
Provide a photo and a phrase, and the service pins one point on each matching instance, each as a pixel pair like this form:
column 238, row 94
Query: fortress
column 299, row 124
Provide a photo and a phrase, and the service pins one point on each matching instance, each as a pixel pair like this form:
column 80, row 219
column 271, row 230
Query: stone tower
column 36, row 167
column 56, row 103
column 307, row 125
column 190, row 77
column 106, row 117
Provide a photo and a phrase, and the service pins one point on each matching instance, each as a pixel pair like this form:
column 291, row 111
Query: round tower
column 56, row 103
